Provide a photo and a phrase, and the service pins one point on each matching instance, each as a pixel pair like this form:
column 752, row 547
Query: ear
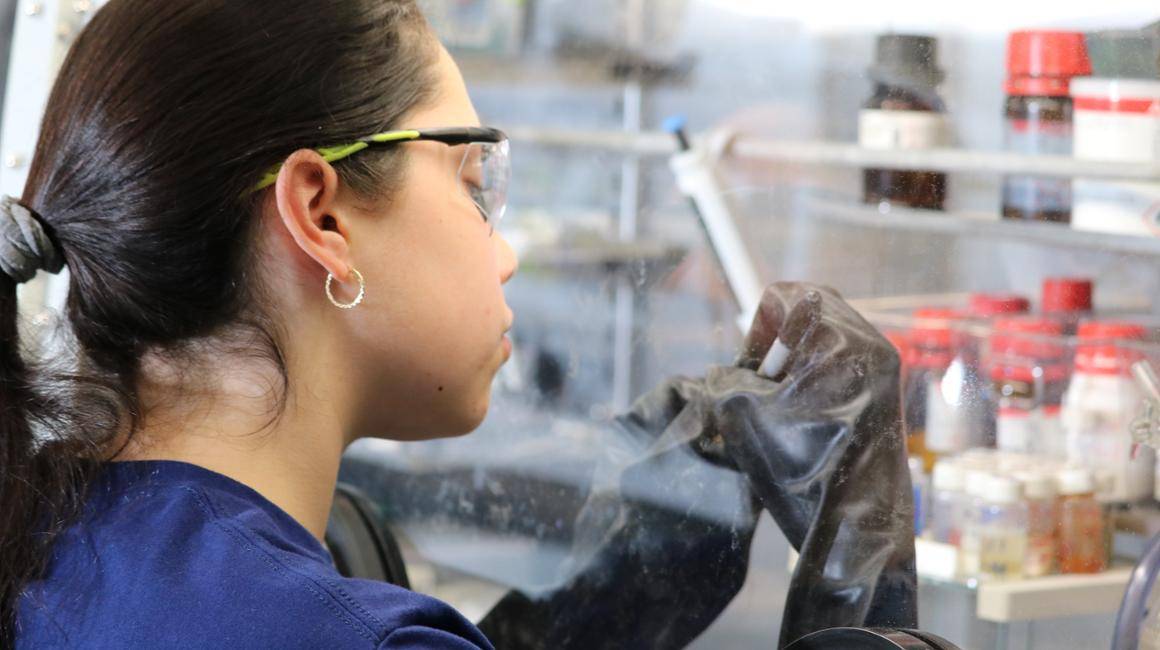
column 306, row 190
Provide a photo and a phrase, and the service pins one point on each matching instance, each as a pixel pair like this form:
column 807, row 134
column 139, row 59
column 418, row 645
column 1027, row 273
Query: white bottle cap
column 1037, row 485
column 969, row 463
column 1011, row 462
column 976, row 482
column 949, row 477
column 1001, row 489
column 1076, row 480
column 978, row 453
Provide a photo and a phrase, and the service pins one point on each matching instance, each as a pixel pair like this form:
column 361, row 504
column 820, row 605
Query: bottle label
column 879, row 129
column 1097, row 417
column 946, row 423
column 1052, row 440
column 1040, row 555
column 1002, row 551
column 1108, row 135
column 1034, row 194
column 1014, row 430
column 969, row 553
column 1116, row 207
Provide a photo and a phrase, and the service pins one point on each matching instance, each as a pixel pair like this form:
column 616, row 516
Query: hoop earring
column 362, row 291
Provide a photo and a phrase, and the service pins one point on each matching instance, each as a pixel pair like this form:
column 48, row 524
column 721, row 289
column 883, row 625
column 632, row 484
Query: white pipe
column 697, row 178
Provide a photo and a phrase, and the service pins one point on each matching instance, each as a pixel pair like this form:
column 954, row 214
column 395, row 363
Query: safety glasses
column 484, row 173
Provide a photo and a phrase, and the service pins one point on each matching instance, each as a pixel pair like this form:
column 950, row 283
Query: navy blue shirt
column 171, row 555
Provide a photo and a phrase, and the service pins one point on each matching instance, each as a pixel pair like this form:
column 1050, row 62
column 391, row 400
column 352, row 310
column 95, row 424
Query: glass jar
column 1042, row 519
column 1081, row 524
column 1002, row 529
column 1038, row 114
column 948, row 501
column 1030, row 375
column 905, row 112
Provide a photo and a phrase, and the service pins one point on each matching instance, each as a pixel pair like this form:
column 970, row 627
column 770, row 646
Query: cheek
column 435, row 318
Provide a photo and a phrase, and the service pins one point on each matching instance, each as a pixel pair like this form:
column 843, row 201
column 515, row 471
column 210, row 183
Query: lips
column 511, row 321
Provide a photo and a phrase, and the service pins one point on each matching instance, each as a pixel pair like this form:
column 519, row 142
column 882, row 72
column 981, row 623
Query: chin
column 473, row 417
column 459, row 422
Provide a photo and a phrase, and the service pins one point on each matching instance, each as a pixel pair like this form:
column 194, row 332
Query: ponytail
column 55, row 428
column 26, row 490
column 32, row 491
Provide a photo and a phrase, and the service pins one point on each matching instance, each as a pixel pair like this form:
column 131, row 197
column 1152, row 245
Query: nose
column 508, row 263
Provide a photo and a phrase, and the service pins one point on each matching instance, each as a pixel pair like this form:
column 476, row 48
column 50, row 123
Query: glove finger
column 787, row 311
column 835, row 362
column 764, row 329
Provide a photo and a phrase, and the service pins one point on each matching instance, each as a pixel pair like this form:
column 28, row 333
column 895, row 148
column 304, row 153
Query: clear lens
column 485, row 173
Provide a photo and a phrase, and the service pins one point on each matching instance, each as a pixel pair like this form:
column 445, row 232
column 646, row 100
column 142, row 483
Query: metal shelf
column 487, row 70
column 602, row 255
column 1025, row 599
column 645, row 143
column 1052, row 596
column 975, row 225
column 841, row 154
column 942, row 160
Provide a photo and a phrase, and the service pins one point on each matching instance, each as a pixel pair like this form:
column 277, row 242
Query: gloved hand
column 824, row 449
column 661, row 545
column 663, row 540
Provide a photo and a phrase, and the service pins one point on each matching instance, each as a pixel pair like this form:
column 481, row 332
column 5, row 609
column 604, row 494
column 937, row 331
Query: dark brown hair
column 165, row 114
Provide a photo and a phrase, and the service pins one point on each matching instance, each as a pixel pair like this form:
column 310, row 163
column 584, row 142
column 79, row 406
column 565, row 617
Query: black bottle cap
column 907, row 60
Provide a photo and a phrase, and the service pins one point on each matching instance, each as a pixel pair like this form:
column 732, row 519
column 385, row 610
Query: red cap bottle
column 931, row 338
column 1042, row 63
column 1067, row 296
column 986, row 305
column 1019, row 345
column 1105, row 347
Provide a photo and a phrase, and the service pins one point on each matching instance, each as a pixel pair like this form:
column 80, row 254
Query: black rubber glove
column 823, row 447
column 662, row 543
column 661, row 546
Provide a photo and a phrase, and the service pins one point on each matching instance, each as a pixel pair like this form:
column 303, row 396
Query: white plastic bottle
column 944, row 519
column 1098, row 409
column 976, row 482
column 1002, row 529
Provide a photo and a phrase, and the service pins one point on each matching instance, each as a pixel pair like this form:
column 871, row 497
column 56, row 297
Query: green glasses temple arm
column 450, row 136
column 334, row 154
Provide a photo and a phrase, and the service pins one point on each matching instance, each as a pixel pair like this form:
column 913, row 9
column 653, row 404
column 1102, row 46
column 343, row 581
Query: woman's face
column 429, row 338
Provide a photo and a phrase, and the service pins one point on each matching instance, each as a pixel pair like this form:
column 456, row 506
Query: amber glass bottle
column 904, row 113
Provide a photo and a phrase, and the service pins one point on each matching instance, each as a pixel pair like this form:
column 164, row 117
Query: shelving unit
column 943, row 160
column 490, row 69
column 969, row 224
column 1027, row 599
column 976, row 225
column 1052, row 596
column 841, row 154
column 608, row 255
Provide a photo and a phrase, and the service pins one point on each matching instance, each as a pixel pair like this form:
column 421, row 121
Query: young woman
column 278, row 219
column 279, row 223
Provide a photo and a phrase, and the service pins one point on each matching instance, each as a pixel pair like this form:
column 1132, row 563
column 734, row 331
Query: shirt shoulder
column 390, row 616
column 211, row 563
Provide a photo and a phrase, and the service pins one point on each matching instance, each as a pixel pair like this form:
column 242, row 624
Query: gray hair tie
column 25, row 247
